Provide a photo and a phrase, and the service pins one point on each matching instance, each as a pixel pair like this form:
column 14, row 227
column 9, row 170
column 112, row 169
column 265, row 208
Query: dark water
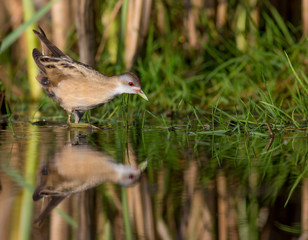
column 60, row 183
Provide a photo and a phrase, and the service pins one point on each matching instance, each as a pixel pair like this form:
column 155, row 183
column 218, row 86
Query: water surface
column 61, row 183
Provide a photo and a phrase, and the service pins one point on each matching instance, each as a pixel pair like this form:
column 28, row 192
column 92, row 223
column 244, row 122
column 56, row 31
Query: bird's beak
column 141, row 94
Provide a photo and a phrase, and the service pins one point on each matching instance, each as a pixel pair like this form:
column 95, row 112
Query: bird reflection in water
column 76, row 168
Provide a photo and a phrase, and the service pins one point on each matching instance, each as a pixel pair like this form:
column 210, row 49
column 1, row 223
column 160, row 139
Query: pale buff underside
column 73, row 94
column 76, row 87
column 77, row 168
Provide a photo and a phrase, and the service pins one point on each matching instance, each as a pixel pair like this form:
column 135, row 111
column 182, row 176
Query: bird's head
column 130, row 83
column 128, row 175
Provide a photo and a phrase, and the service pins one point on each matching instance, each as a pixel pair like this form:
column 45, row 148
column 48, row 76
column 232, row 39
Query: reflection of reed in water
column 76, row 168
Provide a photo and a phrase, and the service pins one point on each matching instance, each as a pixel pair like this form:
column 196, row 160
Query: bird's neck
column 119, row 87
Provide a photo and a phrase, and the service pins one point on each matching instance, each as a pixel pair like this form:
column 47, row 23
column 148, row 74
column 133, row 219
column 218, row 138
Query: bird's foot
column 82, row 125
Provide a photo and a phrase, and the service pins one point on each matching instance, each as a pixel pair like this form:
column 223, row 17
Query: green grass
column 262, row 84
column 217, row 83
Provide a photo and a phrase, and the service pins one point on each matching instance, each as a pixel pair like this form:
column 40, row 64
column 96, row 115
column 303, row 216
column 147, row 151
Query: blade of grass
column 71, row 221
column 214, row 132
column 12, row 37
column 296, row 75
column 277, row 109
column 280, row 22
column 295, row 184
column 157, row 118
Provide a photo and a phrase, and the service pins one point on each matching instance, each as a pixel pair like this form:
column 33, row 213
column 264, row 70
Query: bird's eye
column 131, row 176
column 131, row 84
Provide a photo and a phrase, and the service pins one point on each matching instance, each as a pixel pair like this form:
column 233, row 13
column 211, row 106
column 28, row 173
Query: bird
column 75, row 86
column 76, row 168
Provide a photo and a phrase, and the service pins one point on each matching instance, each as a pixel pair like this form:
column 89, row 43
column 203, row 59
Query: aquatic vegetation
column 185, row 161
column 222, row 145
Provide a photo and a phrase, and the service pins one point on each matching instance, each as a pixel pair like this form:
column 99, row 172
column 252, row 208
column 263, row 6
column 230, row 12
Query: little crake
column 76, row 86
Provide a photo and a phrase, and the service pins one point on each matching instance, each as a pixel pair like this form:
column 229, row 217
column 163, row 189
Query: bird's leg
column 78, row 115
column 69, row 119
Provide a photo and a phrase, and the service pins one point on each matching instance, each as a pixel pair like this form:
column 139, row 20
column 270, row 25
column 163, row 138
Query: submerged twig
column 270, row 130
column 272, row 136
column 270, row 142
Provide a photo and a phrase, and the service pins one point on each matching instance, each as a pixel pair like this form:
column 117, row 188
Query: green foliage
column 261, row 83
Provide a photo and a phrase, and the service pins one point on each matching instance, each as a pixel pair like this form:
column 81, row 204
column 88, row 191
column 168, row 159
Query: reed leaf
column 13, row 36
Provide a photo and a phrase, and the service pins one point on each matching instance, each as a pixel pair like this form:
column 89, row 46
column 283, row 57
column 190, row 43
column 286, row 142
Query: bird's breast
column 74, row 95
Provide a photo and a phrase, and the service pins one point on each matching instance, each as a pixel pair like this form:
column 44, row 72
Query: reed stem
column 35, row 89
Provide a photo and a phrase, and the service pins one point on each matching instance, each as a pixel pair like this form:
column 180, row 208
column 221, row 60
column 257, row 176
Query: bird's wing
column 56, row 69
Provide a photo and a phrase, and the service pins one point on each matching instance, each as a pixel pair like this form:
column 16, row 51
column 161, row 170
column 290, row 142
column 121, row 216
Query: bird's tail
column 48, row 48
